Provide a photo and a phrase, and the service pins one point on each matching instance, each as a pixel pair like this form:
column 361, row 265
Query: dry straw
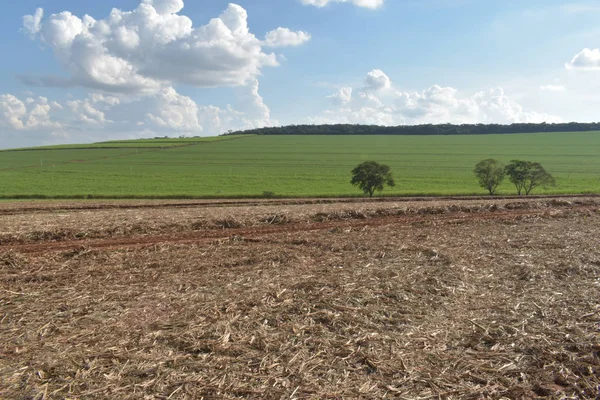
column 407, row 300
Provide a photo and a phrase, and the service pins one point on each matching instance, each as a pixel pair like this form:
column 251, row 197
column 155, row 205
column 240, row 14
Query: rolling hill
column 289, row 165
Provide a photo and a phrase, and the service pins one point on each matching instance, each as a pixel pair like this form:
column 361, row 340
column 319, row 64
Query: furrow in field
column 255, row 233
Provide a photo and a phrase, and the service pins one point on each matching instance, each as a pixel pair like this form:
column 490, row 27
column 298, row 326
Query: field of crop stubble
column 403, row 299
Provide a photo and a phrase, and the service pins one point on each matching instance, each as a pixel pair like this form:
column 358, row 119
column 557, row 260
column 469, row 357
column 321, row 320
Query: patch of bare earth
column 402, row 300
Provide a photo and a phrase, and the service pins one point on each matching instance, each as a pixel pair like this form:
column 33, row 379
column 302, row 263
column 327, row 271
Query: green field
column 290, row 165
column 139, row 144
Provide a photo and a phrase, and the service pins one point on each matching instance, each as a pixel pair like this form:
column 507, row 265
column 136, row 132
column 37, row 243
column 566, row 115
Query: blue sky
column 75, row 71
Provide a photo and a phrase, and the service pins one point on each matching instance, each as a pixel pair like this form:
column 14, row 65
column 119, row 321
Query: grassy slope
column 138, row 143
column 293, row 165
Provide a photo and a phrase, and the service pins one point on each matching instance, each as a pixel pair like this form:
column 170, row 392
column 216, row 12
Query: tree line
column 428, row 129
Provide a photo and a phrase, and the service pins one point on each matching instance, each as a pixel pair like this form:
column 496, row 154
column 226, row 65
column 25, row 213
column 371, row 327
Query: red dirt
column 255, row 233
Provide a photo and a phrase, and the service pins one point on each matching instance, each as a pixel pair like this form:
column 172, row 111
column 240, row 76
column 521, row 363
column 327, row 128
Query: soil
column 301, row 299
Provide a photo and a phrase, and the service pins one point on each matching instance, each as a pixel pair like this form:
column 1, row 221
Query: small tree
column 490, row 174
column 527, row 175
column 370, row 176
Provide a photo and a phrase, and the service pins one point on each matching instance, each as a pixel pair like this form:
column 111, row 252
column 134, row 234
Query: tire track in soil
column 254, row 234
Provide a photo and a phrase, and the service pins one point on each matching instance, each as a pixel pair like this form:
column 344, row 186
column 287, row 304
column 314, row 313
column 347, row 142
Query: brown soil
column 407, row 299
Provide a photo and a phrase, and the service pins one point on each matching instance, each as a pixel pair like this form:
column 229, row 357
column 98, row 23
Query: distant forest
column 443, row 129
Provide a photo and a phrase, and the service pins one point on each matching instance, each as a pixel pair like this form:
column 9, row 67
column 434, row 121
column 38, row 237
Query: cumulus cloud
column 249, row 112
column 28, row 114
column 33, row 23
column 283, row 37
column 92, row 110
column 131, row 61
column 99, row 98
column 342, row 96
column 165, row 7
column 166, row 112
column 436, row 104
column 369, row 99
column 173, row 111
column 377, row 80
column 153, row 47
column 494, row 105
column 372, row 4
column 587, row 59
column 50, row 117
column 256, row 112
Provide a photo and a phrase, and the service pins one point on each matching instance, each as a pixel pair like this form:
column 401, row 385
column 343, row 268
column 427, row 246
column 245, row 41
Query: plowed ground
column 450, row 299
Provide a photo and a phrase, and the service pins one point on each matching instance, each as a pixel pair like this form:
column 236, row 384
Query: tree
column 370, row 176
column 490, row 174
column 527, row 175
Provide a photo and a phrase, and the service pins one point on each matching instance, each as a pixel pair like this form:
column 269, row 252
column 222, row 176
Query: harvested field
column 450, row 299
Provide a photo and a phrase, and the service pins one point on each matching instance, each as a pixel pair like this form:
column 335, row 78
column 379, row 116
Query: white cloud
column 442, row 96
column 153, row 47
column 175, row 112
column 553, row 88
column 372, row 4
column 342, row 96
column 587, row 59
column 377, row 80
column 494, row 106
column 436, row 104
column 26, row 115
column 257, row 114
column 32, row 23
column 164, row 113
column 92, row 110
column 100, row 98
column 250, row 111
column 369, row 99
column 131, row 62
column 165, row 7
column 283, row 37
column 12, row 111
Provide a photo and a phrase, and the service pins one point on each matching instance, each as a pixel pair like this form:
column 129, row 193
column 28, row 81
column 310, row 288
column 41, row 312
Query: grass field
column 290, row 165
column 158, row 143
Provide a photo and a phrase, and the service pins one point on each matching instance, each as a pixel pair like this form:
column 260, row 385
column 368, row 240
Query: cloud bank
column 136, row 66
column 154, row 46
column 382, row 104
column 131, row 62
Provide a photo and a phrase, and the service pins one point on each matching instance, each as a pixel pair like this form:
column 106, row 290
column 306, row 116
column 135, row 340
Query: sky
column 78, row 71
